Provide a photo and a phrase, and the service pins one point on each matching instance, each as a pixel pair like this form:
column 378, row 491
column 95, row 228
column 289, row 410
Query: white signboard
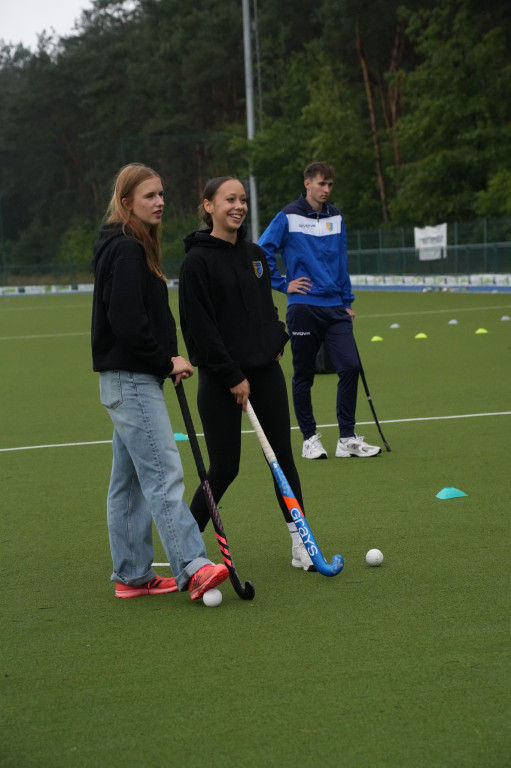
column 431, row 242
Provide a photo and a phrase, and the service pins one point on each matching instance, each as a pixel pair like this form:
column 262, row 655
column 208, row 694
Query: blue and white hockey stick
column 327, row 569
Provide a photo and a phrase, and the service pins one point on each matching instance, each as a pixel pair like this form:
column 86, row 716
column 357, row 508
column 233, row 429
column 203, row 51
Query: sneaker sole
column 314, row 458
column 214, row 580
column 308, row 568
column 142, row 592
column 347, row 455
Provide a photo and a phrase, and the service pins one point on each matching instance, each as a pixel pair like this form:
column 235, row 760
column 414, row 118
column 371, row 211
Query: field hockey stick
column 246, row 592
column 293, row 506
column 370, row 401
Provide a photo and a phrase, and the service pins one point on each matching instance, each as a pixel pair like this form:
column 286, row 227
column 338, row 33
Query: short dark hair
column 323, row 169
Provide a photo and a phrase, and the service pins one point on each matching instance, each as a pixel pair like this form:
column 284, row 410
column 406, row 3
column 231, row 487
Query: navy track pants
column 309, row 327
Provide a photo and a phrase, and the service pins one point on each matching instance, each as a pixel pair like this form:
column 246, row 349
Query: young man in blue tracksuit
column 311, row 238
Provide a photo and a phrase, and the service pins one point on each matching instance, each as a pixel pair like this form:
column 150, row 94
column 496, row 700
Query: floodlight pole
column 249, row 97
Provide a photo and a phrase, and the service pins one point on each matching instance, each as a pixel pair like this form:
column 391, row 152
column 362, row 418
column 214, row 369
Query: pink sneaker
column 157, row 586
column 205, row 578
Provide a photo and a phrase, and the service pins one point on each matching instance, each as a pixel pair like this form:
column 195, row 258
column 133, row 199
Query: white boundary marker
column 251, row 431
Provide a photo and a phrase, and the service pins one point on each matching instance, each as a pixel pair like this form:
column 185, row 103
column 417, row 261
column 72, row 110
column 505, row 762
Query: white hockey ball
column 374, row 557
column 212, row 598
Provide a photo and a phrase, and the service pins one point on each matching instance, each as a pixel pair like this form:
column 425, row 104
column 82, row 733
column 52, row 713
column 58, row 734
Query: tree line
column 408, row 99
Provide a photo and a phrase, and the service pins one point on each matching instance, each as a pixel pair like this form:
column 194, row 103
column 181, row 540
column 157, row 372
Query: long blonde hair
column 126, row 181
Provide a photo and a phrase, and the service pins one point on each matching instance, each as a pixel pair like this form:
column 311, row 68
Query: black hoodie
column 132, row 325
column 228, row 319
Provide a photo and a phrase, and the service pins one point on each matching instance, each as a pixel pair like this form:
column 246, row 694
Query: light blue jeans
column 146, row 483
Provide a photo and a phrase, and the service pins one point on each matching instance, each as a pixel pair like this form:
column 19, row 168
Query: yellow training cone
column 421, row 336
column 481, row 330
column 377, row 338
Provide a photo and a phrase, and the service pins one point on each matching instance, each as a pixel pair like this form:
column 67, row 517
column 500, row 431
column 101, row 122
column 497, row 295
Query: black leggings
column 221, row 420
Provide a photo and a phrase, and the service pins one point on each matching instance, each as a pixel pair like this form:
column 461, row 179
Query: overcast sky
column 22, row 20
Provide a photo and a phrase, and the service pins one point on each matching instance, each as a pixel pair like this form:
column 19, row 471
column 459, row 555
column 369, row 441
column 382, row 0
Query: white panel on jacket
column 330, row 225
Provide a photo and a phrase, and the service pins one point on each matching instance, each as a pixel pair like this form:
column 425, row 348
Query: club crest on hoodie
column 258, row 268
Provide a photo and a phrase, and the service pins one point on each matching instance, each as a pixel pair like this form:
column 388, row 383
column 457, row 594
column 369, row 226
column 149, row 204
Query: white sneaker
column 355, row 446
column 312, row 448
column 301, row 558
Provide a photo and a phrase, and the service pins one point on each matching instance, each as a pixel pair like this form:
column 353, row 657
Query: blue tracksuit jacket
column 313, row 245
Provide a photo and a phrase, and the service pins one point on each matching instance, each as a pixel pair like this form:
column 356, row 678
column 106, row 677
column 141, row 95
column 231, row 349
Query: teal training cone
column 180, row 436
column 449, row 493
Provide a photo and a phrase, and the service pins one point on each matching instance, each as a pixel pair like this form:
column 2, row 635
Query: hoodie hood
column 107, row 233
column 204, row 238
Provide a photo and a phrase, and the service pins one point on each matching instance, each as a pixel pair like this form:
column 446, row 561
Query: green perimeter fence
column 482, row 246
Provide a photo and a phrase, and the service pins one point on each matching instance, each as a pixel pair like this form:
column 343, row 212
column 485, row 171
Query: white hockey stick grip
column 265, row 445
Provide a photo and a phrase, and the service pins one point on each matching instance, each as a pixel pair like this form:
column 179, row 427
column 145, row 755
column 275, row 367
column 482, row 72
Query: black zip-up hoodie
column 132, row 326
column 228, row 319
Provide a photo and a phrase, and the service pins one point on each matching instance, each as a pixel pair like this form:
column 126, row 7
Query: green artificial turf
column 406, row 665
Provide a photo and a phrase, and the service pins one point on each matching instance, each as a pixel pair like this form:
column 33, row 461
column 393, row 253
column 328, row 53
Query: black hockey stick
column 370, row 401
column 246, row 592
column 293, row 506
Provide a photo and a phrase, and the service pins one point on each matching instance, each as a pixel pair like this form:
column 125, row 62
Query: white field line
column 26, row 308
column 433, row 312
column 44, row 336
column 251, row 431
column 359, row 318
column 54, row 445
